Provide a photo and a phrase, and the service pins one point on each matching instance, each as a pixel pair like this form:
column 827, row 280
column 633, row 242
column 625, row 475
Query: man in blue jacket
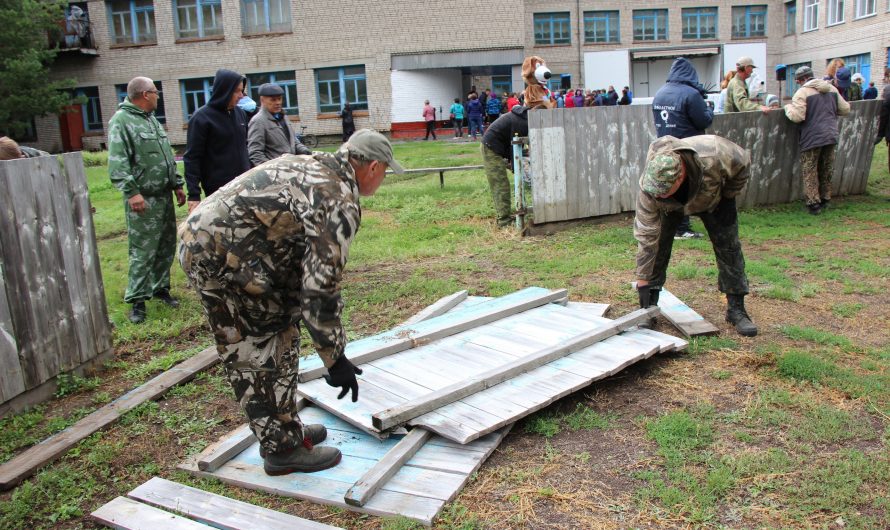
column 680, row 110
column 216, row 148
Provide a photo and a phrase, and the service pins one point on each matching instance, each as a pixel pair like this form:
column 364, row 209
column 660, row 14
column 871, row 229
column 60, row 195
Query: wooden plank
column 373, row 480
column 12, row 382
column 25, row 464
column 126, row 514
column 683, row 317
column 406, row 337
column 440, row 307
column 401, row 413
column 215, row 510
column 598, row 310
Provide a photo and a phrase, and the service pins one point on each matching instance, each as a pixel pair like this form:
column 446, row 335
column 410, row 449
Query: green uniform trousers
column 152, row 246
column 499, row 183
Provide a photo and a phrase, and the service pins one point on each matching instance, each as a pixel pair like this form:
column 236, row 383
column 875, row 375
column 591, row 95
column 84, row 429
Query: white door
column 641, row 79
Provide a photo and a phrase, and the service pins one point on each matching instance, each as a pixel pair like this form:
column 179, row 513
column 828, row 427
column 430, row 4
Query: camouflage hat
column 372, row 145
column 661, row 173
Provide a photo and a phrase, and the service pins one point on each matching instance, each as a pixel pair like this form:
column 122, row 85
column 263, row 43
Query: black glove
column 648, row 296
column 342, row 374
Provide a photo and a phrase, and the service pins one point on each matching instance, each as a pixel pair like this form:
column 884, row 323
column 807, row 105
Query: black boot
column 164, row 296
column 137, row 315
column 301, row 459
column 736, row 314
column 316, row 433
column 824, row 204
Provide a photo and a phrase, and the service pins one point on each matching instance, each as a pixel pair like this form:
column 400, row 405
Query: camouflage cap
column 661, row 173
column 372, row 145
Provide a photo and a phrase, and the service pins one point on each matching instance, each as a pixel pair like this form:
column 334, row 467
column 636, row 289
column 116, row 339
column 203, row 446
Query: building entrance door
column 71, row 127
column 641, row 79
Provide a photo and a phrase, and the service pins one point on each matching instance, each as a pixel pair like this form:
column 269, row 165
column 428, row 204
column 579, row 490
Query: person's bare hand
column 765, row 109
column 180, row 196
column 137, row 203
column 193, row 205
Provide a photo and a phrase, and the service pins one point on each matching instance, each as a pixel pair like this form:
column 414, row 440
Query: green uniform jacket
column 721, row 171
column 140, row 159
column 737, row 97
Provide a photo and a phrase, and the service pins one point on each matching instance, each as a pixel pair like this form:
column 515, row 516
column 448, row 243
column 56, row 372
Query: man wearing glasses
column 141, row 166
column 216, row 145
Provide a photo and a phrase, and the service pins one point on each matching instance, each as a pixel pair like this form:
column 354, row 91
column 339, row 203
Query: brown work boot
column 737, row 315
column 316, row 433
column 301, row 460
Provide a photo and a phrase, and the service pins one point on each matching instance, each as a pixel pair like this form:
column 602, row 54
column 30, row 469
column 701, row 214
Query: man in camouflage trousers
column 141, row 166
column 700, row 175
column 264, row 253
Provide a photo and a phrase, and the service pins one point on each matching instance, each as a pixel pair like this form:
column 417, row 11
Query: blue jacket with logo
column 679, row 108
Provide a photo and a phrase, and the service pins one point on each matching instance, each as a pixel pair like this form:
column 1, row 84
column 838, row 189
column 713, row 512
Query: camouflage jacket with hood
column 716, row 168
column 281, row 234
column 140, row 159
column 816, row 106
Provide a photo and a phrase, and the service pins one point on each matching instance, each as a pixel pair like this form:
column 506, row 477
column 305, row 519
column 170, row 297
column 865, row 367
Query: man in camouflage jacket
column 700, row 175
column 141, row 166
column 264, row 253
column 737, row 96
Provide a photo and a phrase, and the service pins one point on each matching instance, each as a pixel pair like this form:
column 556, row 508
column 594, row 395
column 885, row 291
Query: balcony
column 75, row 35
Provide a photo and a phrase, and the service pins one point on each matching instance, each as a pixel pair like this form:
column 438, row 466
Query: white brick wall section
column 410, row 88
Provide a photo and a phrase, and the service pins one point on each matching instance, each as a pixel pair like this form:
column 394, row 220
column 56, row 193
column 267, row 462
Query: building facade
column 386, row 58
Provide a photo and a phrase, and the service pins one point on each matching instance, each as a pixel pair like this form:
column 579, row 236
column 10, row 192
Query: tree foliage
column 26, row 91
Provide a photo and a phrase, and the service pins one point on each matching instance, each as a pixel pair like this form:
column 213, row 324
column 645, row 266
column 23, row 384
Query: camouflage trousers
column 152, row 246
column 499, row 184
column 816, row 169
column 258, row 341
column 722, row 226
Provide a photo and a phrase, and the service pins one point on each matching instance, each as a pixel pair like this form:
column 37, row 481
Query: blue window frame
column 336, row 86
column 553, row 28
column 859, row 64
column 650, row 24
column 748, row 21
column 132, row 21
column 791, row 17
column 286, row 80
column 195, row 94
column 160, row 112
column 90, row 109
column 601, row 26
column 793, row 85
column 196, row 19
column 265, row 16
column 557, row 82
column 699, row 23
column 501, row 84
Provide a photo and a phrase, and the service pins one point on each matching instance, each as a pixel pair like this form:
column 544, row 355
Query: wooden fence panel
column 587, row 162
column 53, row 316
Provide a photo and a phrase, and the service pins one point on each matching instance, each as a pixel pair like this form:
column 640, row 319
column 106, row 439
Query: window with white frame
column 835, row 12
column 810, row 15
column 132, row 21
column 865, row 8
column 286, row 80
column 196, row 19
column 265, row 16
column 160, row 112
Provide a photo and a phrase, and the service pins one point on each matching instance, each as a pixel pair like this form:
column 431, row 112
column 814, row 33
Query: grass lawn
column 790, row 429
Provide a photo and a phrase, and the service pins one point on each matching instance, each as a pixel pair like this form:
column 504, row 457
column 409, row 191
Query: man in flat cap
column 737, row 95
column 700, row 175
column 269, row 134
column 266, row 253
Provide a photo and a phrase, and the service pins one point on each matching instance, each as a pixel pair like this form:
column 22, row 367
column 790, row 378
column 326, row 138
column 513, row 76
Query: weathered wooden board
column 419, row 490
column 440, row 307
column 126, row 514
column 215, row 510
column 25, row 464
column 684, row 317
column 371, row 482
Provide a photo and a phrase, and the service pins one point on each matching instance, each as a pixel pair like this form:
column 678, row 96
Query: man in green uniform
column 699, row 175
column 141, row 166
column 265, row 253
column 737, row 97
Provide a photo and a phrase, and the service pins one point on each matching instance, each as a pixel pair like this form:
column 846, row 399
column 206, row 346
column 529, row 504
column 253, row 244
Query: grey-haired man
column 269, row 135
column 265, row 253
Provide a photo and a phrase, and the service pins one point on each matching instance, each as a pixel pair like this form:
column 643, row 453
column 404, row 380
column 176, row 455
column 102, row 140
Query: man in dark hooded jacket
column 216, row 150
column 680, row 110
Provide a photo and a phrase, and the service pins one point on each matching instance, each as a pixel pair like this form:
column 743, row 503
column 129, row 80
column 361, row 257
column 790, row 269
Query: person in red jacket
column 512, row 101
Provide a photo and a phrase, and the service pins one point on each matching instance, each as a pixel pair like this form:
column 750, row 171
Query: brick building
column 387, row 57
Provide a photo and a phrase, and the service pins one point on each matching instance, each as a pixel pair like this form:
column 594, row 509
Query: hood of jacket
column 818, row 84
column 519, row 110
column 224, row 83
column 683, row 72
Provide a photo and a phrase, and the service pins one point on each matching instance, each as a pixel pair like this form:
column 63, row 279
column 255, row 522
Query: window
column 286, row 80
column 553, row 28
column 195, row 94
column 160, row 113
column 560, row 82
column 90, row 108
column 265, row 16
column 197, row 18
column 748, row 21
column 132, row 21
column 835, row 12
column 865, row 8
column 790, row 18
column 339, row 85
column 792, row 85
column 810, row 15
column 501, row 84
column 651, row 24
column 699, row 23
column 859, row 64
column 601, row 26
